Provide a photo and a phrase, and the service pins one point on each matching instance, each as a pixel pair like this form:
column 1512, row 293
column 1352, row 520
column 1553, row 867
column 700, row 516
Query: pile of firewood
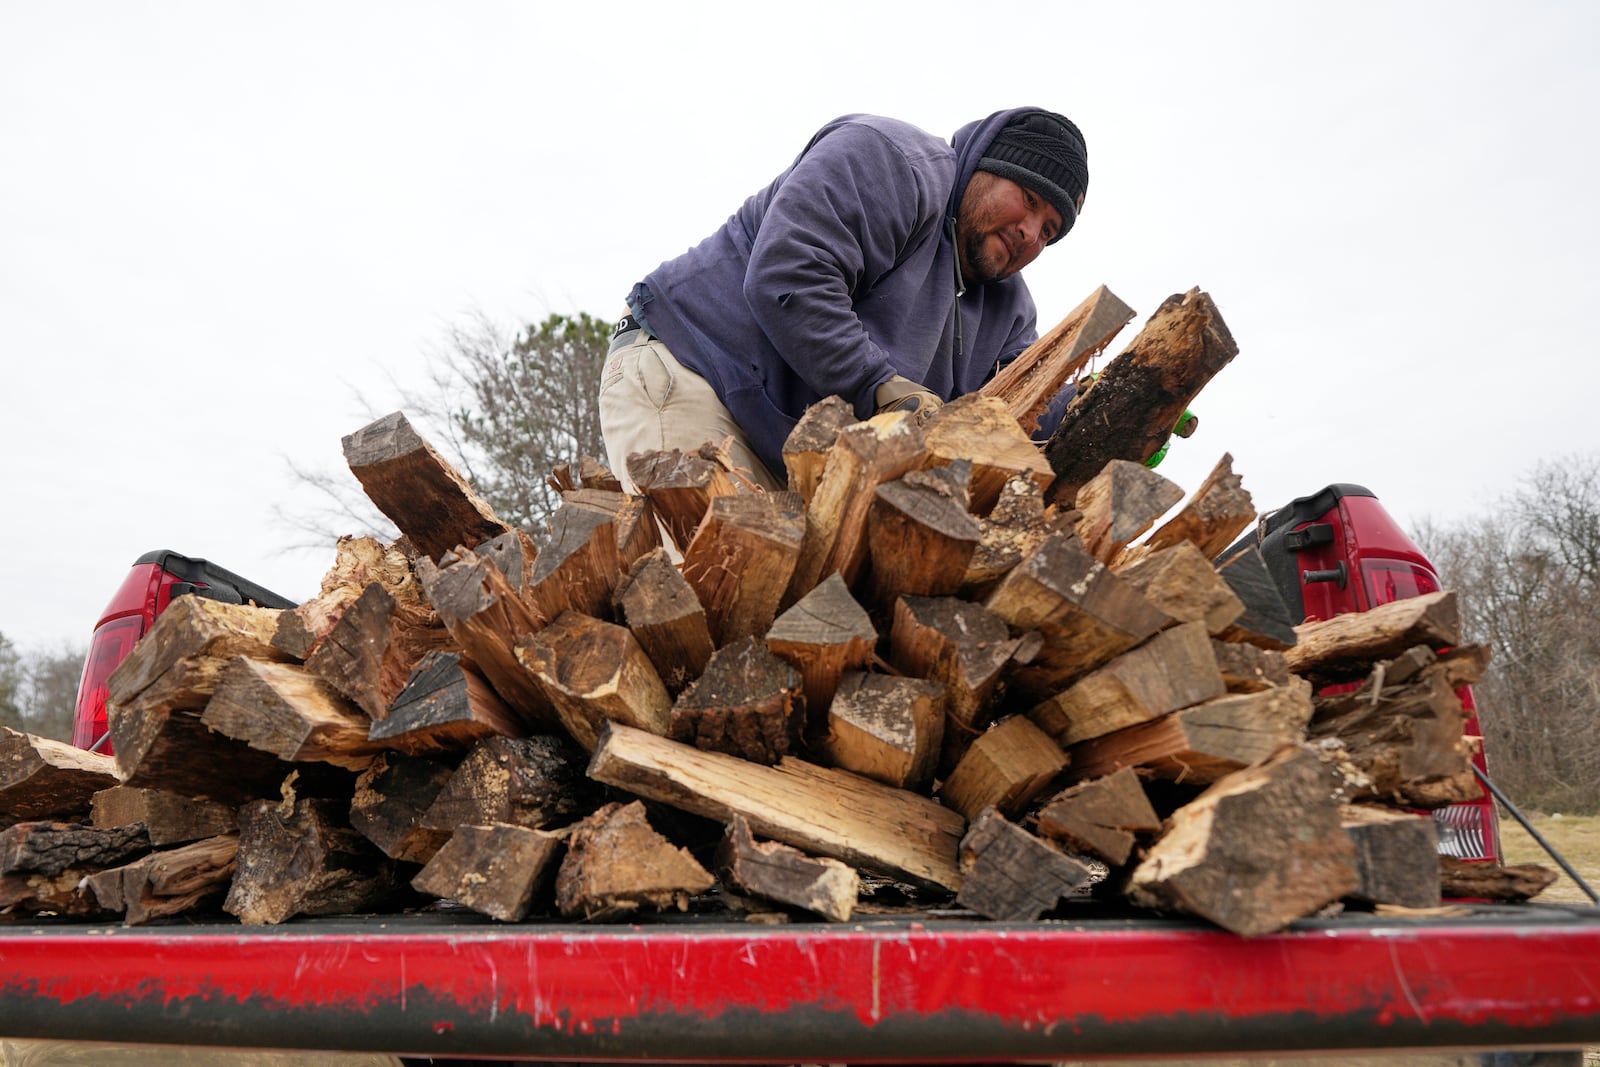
column 940, row 663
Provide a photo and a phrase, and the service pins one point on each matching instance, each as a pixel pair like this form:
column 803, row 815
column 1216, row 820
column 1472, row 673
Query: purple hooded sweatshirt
column 837, row 276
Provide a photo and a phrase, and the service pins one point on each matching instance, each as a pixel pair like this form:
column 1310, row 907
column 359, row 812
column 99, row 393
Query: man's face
column 1001, row 227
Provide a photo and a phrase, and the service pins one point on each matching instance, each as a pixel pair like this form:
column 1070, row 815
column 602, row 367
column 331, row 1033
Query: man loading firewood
column 881, row 266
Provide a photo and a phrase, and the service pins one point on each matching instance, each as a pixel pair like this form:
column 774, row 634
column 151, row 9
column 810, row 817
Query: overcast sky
column 222, row 223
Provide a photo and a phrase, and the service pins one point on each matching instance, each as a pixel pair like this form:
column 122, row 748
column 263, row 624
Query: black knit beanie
column 1045, row 152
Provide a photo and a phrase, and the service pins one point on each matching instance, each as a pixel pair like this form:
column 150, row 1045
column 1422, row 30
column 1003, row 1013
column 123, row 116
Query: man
column 880, row 267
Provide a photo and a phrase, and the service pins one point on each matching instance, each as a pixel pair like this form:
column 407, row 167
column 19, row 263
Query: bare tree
column 39, row 688
column 505, row 406
column 1526, row 572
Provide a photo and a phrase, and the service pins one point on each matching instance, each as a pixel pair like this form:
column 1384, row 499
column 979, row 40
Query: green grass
column 1577, row 837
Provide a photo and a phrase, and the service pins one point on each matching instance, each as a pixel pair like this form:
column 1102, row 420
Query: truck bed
column 903, row 988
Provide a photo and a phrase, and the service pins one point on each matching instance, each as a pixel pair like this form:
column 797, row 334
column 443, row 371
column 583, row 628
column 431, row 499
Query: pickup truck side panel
column 892, row 990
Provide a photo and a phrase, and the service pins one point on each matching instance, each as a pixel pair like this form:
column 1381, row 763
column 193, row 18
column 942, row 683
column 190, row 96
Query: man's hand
column 903, row 394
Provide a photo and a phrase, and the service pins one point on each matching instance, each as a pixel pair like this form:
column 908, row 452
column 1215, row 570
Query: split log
column 49, row 847
column 887, row 729
column 1102, row 816
column 1011, row 875
column 1031, row 381
column 177, row 664
column 497, row 870
column 815, row 809
column 391, row 798
column 666, row 617
column 1460, row 880
column 168, row 818
column 1257, row 850
column 1248, row 668
column 1012, row 529
column 579, row 566
column 1119, row 504
column 962, row 646
column 823, row 634
column 171, row 882
column 587, row 473
column 480, row 606
column 1205, row 742
column 1134, row 404
column 616, row 864
column 1181, row 581
column 774, row 871
column 741, row 558
column 633, row 521
column 42, row 779
column 1218, row 512
column 378, row 641
column 1007, row 768
column 982, row 430
column 421, row 493
column 1405, row 729
column 921, row 534
column 358, row 562
column 680, row 487
column 537, row 782
column 747, row 703
column 297, row 857
column 285, row 710
column 1172, row 670
column 1086, row 614
column 445, row 707
column 806, row 449
column 1347, row 644
column 866, row 455
column 1266, row 622
column 595, row 671
column 1397, row 856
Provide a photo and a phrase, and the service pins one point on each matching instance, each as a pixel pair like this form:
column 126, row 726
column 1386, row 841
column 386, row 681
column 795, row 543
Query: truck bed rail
column 901, row 989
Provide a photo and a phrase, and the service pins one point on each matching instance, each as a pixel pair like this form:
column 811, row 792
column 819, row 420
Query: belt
column 626, row 324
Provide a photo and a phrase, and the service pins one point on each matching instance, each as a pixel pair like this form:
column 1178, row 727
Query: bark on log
column 774, row 871
column 579, row 566
column 391, row 798
column 1013, row 528
column 358, row 562
column 1180, row 581
column 168, row 818
column 1130, row 411
column 680, row 487
column 1013, row 876
column 1481, row 881
column 445, row 707
column 1266, row 622
column 172, row 882
column 747, row 704
column 1257, row 850
column 1397, row 856
column 42, row 779
column 536, row 782
column 50, row 847
column 806, row 450
column 616, row 863
column 297, row 857
column 962, row 646
column 378, row 641
column 497, row 870
column 1218, row 512
column 1347, row 644
column 1248, row 668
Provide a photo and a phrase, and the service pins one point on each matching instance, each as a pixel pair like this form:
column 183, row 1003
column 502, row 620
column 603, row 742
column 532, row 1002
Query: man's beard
column 979, row 269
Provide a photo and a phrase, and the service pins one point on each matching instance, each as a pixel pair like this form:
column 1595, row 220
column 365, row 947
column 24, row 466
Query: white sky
column 220, row 222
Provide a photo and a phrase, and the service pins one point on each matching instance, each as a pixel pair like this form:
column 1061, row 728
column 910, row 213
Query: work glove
column 903, row 394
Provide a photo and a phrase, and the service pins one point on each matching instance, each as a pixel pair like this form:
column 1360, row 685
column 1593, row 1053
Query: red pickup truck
column 934, row 987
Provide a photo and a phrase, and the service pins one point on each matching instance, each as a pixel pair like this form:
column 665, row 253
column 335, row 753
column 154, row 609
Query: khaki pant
column 650, row 401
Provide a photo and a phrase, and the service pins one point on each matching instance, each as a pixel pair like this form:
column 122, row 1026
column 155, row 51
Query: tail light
column 110, row 645
column 1468, row 831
